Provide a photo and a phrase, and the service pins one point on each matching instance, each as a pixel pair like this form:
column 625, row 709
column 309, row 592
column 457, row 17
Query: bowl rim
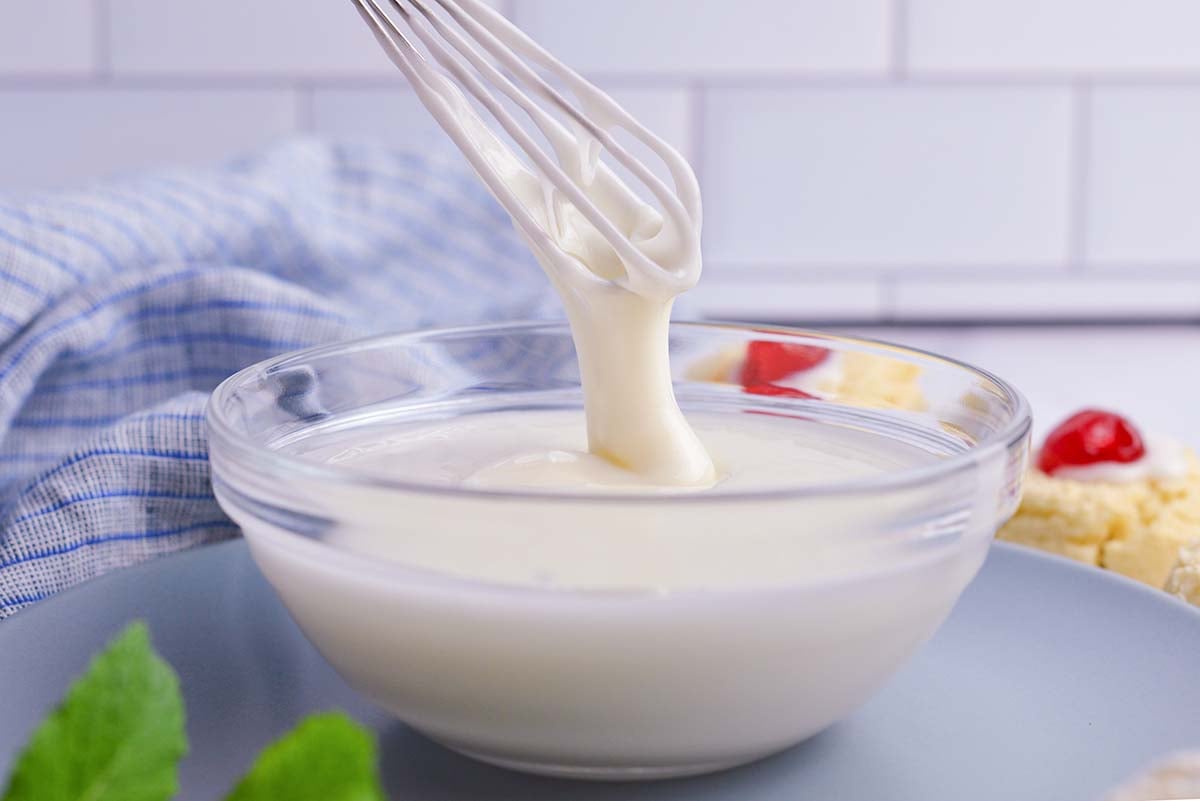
column 268, row 461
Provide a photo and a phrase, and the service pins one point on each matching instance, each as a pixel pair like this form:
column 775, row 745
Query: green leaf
column 117, row 736
column 327, row 757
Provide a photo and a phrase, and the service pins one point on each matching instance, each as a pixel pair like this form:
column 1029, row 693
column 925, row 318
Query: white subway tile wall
column 55, row 136
column 862, row 160
column 1036, row 299
column 48, row 37
column 1053, row 36
column 1144, row 203
column 830, row 301
column 880, row 176
column 393, row 114
column 712, row 38
column 238, row 38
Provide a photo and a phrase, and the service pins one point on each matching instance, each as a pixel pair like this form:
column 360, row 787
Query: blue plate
column 1049, row 681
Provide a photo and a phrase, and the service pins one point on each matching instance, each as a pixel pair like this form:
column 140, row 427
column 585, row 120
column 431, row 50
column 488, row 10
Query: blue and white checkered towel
column 122, row 305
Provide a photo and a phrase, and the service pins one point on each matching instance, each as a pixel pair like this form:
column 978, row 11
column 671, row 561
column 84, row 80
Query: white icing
column 548, row 449
column 617, row 296
column 1164, row 459
column 818, row 379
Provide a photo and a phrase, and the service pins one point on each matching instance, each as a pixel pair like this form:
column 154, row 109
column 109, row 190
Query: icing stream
column 617, row 273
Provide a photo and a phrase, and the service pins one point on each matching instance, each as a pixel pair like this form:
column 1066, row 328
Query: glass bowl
column 621, row 635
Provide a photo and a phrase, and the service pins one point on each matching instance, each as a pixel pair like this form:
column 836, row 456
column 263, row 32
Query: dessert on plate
column 1175, row 776
column 777, row 368
column 1103, row 492
column 1184, row 579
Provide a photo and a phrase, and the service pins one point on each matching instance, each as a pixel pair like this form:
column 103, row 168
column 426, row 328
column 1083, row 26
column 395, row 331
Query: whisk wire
column 511, row 60
column 465, row 66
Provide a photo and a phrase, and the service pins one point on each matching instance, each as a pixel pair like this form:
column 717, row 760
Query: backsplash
column 862, row 160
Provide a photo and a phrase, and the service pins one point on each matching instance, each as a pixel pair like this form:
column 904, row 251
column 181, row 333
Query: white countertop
column 1150, row 373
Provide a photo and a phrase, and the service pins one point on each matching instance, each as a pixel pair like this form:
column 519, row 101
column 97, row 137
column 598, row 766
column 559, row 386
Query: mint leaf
column 117, row 736
column 327, row 757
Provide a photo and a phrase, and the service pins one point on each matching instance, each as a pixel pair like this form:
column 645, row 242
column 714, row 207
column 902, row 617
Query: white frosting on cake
column 1165, row 458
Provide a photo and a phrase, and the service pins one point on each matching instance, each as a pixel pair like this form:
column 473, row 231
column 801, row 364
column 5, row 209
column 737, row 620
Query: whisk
column 481, row 52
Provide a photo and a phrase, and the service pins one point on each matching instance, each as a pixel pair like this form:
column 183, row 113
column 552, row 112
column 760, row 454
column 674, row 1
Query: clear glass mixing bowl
column 757, row 618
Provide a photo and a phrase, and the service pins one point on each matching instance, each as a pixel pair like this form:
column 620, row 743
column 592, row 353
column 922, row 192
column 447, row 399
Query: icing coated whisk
column 657, row 253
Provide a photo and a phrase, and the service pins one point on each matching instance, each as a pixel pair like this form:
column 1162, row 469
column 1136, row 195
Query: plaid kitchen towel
column 122, row 305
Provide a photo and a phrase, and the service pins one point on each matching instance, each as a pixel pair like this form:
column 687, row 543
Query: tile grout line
column 1133, row 273
column 43, row 82
column 1078, row 183
column 898, row 39
column 349, row 80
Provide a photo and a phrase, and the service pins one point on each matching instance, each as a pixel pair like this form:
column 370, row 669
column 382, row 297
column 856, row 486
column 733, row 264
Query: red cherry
column 1088, row 437
column 767, row 362
column 775, row 389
